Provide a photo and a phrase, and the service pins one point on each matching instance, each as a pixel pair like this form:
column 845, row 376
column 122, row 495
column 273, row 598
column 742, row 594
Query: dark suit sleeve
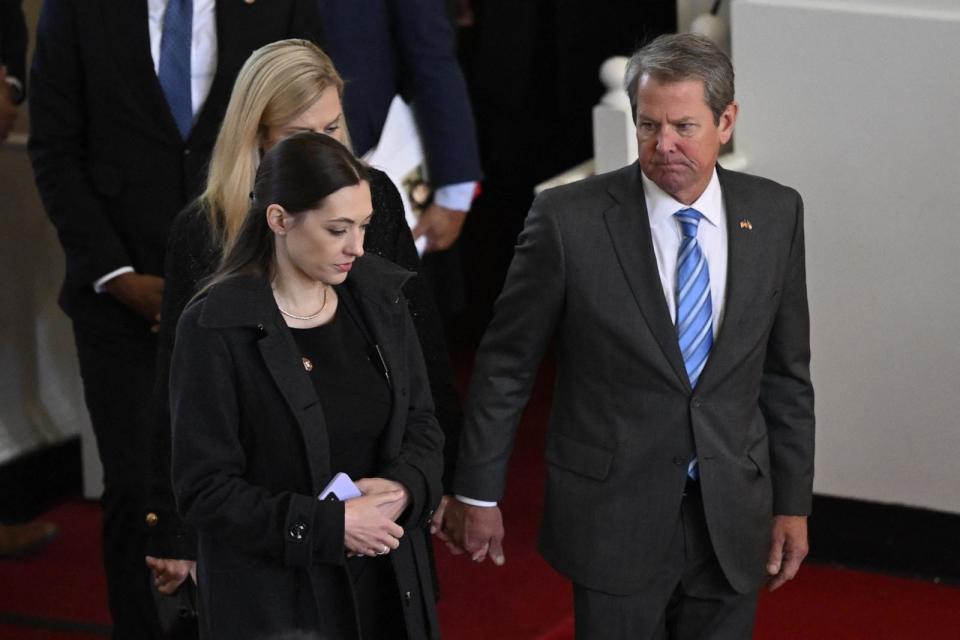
column 57, row 149
column 13, row 41
column 786, row 393
column 425, row 38
column 524, row 321
column 209, row 462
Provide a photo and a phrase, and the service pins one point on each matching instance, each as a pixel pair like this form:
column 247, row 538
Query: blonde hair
column 277, row 83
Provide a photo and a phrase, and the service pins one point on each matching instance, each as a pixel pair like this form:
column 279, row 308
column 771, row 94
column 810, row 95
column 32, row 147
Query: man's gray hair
column 683, row 56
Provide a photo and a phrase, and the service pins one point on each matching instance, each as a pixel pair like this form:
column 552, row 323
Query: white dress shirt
column 203, row 46
column 457, row 196
column 666, row 235
column 711, row 236
column 203, row 66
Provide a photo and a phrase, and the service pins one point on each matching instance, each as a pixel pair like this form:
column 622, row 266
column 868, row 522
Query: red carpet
column 60, row 593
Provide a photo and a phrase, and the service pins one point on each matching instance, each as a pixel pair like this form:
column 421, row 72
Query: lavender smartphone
column 340, row 488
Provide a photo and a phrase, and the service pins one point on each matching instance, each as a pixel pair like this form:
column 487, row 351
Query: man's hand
column 142, row 293
column 169, row 573
column 476, row 530
column 788, row 548
column 442, row 227
column 376, row 486
column 8, row 110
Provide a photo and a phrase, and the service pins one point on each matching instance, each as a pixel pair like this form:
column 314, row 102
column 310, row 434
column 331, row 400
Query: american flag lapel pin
column 746, row 224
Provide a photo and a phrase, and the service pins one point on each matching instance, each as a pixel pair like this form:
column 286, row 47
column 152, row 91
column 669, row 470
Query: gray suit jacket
column 624, row 420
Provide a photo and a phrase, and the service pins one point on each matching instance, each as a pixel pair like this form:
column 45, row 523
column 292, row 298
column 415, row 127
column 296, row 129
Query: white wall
column 857, row 105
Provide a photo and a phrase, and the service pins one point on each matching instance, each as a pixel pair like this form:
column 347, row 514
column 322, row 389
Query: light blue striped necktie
column 694, row 308
column 174, row 68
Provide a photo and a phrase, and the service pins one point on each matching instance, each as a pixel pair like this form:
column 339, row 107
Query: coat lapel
column 744, row 273
column 629, row 226
column 283, row 361
column 375, row 286
column 248, row 302
column 128, row 36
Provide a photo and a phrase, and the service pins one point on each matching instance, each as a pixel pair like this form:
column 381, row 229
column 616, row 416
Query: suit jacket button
column 297, row 531
column 152, row 519
column 697, row 402
column 407, row 597
column 679, row 461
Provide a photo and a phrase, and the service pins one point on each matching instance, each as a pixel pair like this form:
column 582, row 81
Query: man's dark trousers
column 688, row 599
column 118, row 374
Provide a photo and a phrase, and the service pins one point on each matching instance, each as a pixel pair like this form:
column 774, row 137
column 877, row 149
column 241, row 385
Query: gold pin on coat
column 249, row 1
column 307, row 364
column 746, row 224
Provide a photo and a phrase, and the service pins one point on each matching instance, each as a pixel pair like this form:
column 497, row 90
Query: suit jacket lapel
column 744, row 268
column 128, row 34
column 629, row 226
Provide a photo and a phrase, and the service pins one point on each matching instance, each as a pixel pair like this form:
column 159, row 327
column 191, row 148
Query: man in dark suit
column 680, row 450
column 13, row 54
column 387, row 47
column 126, row 100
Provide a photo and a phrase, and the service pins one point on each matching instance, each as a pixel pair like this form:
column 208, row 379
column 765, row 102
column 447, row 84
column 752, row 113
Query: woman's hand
column 378, row 486
column 367, row 530
column 169, row 573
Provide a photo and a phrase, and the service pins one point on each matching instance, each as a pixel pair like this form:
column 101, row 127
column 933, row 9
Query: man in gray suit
column 680, row 447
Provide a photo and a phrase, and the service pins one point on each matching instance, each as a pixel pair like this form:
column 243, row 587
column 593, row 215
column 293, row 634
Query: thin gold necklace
column 302, row 318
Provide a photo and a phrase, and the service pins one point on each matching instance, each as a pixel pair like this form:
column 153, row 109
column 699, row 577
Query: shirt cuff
column 17, row 87
column 457, row 196
column 98, row 286
column 475, row 503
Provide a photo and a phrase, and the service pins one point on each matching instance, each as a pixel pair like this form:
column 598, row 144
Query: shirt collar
column 661, row 206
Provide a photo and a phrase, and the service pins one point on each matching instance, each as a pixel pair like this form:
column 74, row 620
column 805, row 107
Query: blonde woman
column 284, row 88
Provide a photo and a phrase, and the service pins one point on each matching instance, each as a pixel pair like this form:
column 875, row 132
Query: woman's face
column 325, row 116
column 322, row 243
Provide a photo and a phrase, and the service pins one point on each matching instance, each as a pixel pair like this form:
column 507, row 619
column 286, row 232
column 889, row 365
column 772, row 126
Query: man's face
column 677, row 137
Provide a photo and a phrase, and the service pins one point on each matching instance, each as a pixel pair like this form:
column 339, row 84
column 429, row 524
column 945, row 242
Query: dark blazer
column 193, row 254
column 110, row 164
column 13, row 41
column 386, row 47
column 250, row 455
column 625, row 421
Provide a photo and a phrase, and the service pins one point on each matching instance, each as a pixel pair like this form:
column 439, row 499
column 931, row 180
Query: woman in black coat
column 284, row 87
column 300, row 360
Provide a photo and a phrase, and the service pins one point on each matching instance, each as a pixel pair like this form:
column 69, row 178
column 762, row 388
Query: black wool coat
column 250, row 455
column 193, row 253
